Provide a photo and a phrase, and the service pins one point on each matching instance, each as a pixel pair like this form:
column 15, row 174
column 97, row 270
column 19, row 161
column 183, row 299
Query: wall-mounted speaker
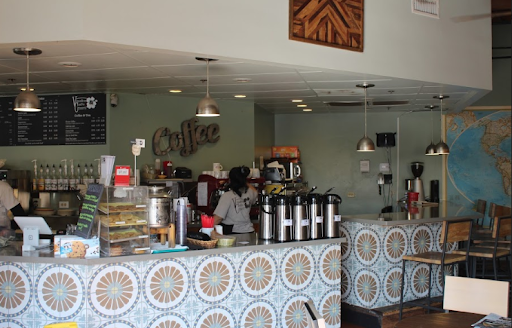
column 386, row 139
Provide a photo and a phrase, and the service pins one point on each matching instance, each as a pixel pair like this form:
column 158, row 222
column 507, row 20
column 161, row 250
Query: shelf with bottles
column 123, row 221
column 58, row 179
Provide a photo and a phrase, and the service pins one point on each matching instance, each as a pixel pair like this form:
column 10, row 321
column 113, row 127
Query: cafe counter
column 372, row 257
column 254, row 282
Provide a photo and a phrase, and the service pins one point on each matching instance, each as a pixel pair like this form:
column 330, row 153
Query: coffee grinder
column 417, row 183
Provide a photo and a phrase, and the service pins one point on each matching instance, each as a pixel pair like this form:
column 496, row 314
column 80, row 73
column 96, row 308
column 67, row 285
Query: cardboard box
column 79, row 247
column 285, row 152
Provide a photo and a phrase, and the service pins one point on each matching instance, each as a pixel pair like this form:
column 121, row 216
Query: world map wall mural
column 479, row 165
column 331, row 23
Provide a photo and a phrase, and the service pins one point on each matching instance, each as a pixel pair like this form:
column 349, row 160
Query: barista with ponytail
column 234, row 206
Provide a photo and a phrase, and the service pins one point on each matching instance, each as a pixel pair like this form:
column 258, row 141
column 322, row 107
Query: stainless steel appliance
column 283, row 222
column 159, row 207
column 299, row 217
column 332, row 215
column 267, row 217
column 315, row 214
column 417, row 184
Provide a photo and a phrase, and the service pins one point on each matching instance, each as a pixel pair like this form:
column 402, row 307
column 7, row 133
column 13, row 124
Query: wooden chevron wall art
column 333, row 23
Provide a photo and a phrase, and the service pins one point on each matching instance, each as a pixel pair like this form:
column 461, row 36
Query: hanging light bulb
column 207, row 106
column 442, row 148
column 365, row 144
column 431, row 149
column 27, row 101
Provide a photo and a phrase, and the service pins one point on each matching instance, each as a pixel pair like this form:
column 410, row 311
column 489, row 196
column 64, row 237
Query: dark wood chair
column 500, row 247
column 452, row 232
column 481, row 206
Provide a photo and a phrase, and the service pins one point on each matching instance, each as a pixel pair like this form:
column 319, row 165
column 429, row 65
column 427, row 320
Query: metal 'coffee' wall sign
column 185, row 141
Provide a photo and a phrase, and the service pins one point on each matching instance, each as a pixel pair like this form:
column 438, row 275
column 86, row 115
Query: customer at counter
column 232, row 212
column 8, row 202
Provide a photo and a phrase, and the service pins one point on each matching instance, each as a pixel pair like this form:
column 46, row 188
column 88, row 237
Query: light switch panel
column 364, row 166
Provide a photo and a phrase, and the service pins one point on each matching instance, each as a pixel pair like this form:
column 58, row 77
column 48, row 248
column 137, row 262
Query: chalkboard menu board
column 89, row 209
column 63, row 120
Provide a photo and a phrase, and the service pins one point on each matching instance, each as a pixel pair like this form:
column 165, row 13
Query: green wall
column 139, row 116
column 264, row 135
column 329, row 158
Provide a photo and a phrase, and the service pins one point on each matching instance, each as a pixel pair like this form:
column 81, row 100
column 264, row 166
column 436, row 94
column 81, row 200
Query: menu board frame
column 74, row 119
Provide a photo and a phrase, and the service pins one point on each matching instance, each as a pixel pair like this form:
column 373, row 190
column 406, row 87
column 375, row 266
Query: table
column 440, row 320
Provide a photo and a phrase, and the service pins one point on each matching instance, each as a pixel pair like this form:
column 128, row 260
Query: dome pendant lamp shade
column 27, row 101
column 431, row 149
column 442, row 148
column 365, row 144
column 207, row 107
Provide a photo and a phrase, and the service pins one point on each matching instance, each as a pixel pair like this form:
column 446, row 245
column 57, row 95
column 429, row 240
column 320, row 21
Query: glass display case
column 123, row 221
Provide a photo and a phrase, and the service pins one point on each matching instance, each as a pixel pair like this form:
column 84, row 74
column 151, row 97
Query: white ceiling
column 119, row 69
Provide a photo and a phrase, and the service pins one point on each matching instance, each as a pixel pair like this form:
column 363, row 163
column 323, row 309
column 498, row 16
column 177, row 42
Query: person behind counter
column 234, row 206
column 8, row 202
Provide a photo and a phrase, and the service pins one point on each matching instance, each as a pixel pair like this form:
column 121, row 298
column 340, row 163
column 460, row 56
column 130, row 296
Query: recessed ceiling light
column 307, row 110
column 296, row 100
column 302, row 105
column 240, row 96
column 69, row 64
column 242, row 79
column 175, row 91
column 25, row 89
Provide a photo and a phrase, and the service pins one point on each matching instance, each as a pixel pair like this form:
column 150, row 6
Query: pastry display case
column 123, row 221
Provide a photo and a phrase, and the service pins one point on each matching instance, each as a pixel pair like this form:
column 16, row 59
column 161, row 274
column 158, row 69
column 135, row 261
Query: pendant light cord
column 441, row 98
column 28, row 83
column 432, row 123
column 365, row 88
column 207, row 76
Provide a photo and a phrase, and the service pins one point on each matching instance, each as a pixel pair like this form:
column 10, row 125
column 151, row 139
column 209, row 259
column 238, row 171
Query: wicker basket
column 203, row 243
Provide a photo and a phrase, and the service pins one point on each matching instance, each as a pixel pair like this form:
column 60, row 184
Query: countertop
column 416, row 215
column 244, row 242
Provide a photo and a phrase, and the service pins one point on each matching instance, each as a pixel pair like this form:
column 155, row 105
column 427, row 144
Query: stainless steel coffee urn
column 159, row 207
column 283, row 222
column 299, row 217
column 316, row 217
column 267, row 217
column 332, row 218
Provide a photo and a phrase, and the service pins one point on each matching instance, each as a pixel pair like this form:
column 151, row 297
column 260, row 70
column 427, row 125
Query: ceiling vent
column 370, row 103
column 428, row 8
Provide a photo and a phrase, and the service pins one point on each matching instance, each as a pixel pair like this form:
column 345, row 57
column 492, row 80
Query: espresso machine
column 417, row 183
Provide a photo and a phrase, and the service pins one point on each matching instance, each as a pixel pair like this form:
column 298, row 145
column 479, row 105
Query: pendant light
column 27, row 101
column 431, row 149
column 365, row 144
column 442, row 148
column 207, row 106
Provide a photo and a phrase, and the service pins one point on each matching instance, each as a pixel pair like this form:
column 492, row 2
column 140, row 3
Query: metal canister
column 332, row 218
column 267, row 217
column 283, row 222
column 159, row 207
column 300, row 217
column 316, row 216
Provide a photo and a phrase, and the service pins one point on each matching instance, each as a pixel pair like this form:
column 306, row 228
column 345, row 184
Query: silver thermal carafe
column 417, row 184
column 332, row 218
column 299, row 217
column 267, row 217
column 283, row 222
column 316, row 217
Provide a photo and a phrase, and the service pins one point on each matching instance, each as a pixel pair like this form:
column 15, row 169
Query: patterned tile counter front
column 243, row 287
